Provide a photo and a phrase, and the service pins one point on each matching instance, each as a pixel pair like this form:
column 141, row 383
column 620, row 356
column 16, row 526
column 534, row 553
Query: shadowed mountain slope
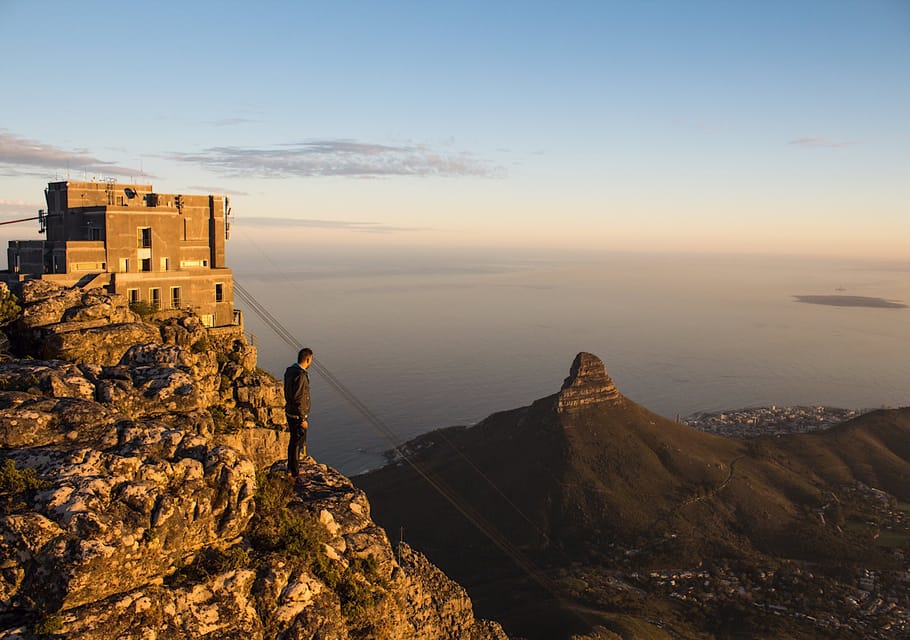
column 587, row 475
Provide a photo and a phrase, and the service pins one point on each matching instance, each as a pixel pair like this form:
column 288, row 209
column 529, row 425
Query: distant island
column 852, row 301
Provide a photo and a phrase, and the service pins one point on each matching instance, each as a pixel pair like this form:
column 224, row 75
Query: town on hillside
column 770, row 421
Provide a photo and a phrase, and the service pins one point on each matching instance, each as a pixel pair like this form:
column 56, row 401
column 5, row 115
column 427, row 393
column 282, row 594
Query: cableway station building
column 166, row 250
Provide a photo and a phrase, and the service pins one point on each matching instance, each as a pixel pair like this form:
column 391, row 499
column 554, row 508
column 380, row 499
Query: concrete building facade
column 166, row 250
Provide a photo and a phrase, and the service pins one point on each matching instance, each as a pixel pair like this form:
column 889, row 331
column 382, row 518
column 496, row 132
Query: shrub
column 25, row 383
column 14, row 483
column 298, row 536
column 143, row 309
column 210, row 563
column 9, row 308
column 48, row 625
column 223, row 421
column 13, row 480
column 202, row 345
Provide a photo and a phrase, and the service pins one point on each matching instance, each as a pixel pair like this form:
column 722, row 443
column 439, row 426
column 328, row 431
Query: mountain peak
column 587, row 384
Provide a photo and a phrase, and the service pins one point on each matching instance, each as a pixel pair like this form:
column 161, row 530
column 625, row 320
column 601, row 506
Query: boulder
column 151, row 498
column 104, row 344
column 27, row 420
column 54, row 378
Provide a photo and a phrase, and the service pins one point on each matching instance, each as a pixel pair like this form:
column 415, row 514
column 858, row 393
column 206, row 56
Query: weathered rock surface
column 138, row 368
column 136, row 496
column 272, row 595
column 131, row 507
column 438, row 602
column 588, row 384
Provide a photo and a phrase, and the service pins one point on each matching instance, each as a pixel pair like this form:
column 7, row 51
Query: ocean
column 429, row 339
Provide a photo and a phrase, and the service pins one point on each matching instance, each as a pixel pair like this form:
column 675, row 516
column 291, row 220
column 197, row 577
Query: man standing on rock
column 297, row 406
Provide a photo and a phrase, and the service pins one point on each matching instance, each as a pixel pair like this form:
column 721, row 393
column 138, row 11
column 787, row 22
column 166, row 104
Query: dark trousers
column 298, row 440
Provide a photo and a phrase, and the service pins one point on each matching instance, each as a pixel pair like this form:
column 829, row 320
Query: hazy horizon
column 771, row 127
column 463, row 196
column 429, row 341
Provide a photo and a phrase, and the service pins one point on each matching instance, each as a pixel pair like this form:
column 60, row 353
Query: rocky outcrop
column 98, row 349
column 437, row 602
column 349, row 585
column 588, row 384
column 131, row 507
column 138, row 496
column 75, row 325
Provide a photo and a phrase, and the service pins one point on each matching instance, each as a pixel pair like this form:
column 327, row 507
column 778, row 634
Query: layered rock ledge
column 135, row 500
column 588, row 384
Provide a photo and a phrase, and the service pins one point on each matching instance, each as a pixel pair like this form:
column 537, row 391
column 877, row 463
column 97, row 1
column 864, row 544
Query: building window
column 146, row 264
column 208, row 319
column 155, row 298
column 164, row 264
column 132, row 295
column 175, row 297
column 125, row 265
column 219, row 292
column 144, row 237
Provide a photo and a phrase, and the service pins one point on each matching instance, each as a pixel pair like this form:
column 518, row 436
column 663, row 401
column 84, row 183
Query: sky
column 745, row 127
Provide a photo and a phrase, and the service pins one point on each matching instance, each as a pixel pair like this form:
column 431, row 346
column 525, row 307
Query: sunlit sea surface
column 432, row 339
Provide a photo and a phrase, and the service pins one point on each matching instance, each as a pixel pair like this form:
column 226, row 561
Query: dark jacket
column 297, row 391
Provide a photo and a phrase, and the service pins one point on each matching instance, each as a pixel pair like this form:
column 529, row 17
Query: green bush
column 298, row 536
column 48, row 625
column 9, row 308
column 202, row 345
column 13, row 480
column 210, row 563
column 224, row 422
column 143, row 309
column 24, row 383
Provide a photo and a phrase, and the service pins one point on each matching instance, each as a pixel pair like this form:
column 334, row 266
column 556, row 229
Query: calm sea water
column 433, row 339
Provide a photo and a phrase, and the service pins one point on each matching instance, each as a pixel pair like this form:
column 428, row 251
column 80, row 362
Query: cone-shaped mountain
column 586, row 471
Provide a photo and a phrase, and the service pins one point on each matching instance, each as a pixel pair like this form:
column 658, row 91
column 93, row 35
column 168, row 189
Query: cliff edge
column 137, row 498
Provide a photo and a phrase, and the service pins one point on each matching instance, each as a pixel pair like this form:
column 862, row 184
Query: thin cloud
column 218, row 190
column 346, row 158
column 822, row 143
column 8, row 207
column 20, row 156
column 309, row 223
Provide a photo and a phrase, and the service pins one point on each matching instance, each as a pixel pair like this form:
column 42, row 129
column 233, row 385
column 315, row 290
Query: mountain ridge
column 588, row 476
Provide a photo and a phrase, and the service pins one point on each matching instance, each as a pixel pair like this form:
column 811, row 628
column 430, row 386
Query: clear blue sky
column 771, row 127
